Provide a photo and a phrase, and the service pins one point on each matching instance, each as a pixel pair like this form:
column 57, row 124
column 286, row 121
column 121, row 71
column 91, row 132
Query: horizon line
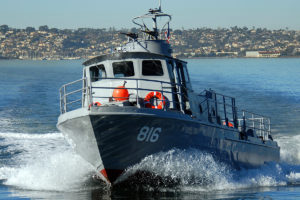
column 182, row 28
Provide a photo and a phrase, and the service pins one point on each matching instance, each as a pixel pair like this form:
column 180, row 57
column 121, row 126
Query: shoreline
column 220, row 57
column 191, row 58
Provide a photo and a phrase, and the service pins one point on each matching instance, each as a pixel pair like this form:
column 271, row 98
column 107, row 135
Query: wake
column 47, row 162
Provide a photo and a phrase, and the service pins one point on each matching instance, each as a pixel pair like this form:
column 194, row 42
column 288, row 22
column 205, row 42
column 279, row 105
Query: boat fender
column 157, row 95
column 98, row 104
column 121, row 93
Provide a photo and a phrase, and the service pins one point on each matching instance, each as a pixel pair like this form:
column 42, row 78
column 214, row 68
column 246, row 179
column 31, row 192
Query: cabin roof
column 127, row 55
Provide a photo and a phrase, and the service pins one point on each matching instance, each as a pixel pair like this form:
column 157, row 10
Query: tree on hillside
column 29, row 29
column 54, row 30
column 4, row 28
column 43, row 28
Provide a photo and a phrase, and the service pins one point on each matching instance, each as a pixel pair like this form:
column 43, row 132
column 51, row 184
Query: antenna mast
column 159, row 6
column 153, row 14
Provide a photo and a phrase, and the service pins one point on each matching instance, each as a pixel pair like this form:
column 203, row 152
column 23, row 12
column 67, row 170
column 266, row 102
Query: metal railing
column 255, row 125
column 219, row 107
column 83, row 95
column 222, row 110
column 73, row 93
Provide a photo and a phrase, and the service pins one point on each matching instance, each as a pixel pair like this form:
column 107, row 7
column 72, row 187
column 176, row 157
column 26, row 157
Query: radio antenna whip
column 159, row 6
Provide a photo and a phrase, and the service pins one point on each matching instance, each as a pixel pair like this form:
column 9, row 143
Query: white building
column 262, row 54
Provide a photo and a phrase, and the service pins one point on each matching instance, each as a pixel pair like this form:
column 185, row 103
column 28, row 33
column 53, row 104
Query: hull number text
column 149, row 134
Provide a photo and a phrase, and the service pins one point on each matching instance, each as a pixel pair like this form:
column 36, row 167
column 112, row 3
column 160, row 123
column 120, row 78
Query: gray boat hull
column 113, row 140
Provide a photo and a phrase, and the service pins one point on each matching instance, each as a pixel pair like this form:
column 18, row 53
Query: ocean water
column 36, row 162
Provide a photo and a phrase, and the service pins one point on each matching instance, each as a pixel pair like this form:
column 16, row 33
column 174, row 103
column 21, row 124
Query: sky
column 271, row 14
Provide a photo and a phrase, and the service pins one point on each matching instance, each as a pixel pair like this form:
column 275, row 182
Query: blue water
column 37, row 163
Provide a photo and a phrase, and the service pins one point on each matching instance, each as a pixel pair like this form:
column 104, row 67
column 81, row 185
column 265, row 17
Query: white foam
column 293, row 177
column 198, row 171
column 59, row 172
column 189, row 166
column 42, row 162
column 289, row 149
column 30, row 136
column 23, row 147
column 47, row 162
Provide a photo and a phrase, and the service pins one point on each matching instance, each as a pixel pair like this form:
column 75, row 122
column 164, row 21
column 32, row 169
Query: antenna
column 159, row 6
column 152, row 14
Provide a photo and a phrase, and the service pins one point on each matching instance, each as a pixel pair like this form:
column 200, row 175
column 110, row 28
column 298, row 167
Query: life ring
column 98, row 104
column 156, row 95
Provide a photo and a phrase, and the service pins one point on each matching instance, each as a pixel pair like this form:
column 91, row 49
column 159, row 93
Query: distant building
column 252, row 54
column 227, row 53
column 269, row 54
column 262, row 54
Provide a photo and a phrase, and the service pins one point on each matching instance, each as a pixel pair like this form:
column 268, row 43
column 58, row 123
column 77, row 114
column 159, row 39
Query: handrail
column 88, row 90
column 140, row 79
column 255, row 113
column 217, row 107
column 222, row 109
column 75, row 91
column 137, row 89
column 71, row 83
column 64, row 101
column 73, row 101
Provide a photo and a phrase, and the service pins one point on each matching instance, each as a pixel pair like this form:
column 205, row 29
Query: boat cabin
column 142, row 74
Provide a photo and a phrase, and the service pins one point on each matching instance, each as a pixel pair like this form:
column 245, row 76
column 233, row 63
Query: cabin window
column 97, row 73
column 186, row 75
column 152, row 68
column 123, row 69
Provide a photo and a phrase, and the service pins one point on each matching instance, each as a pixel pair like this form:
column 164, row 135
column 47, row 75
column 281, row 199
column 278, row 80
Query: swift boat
column 138, row 100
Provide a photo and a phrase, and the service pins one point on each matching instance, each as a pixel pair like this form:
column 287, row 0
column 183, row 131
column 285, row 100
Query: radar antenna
column 153, row 14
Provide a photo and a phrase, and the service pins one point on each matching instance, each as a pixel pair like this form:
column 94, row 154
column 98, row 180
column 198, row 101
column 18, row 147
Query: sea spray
column 59, row 172
column 199, row 171
column 43, row 162
column 47, row 162
column 289, row 149
column 187, row 167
